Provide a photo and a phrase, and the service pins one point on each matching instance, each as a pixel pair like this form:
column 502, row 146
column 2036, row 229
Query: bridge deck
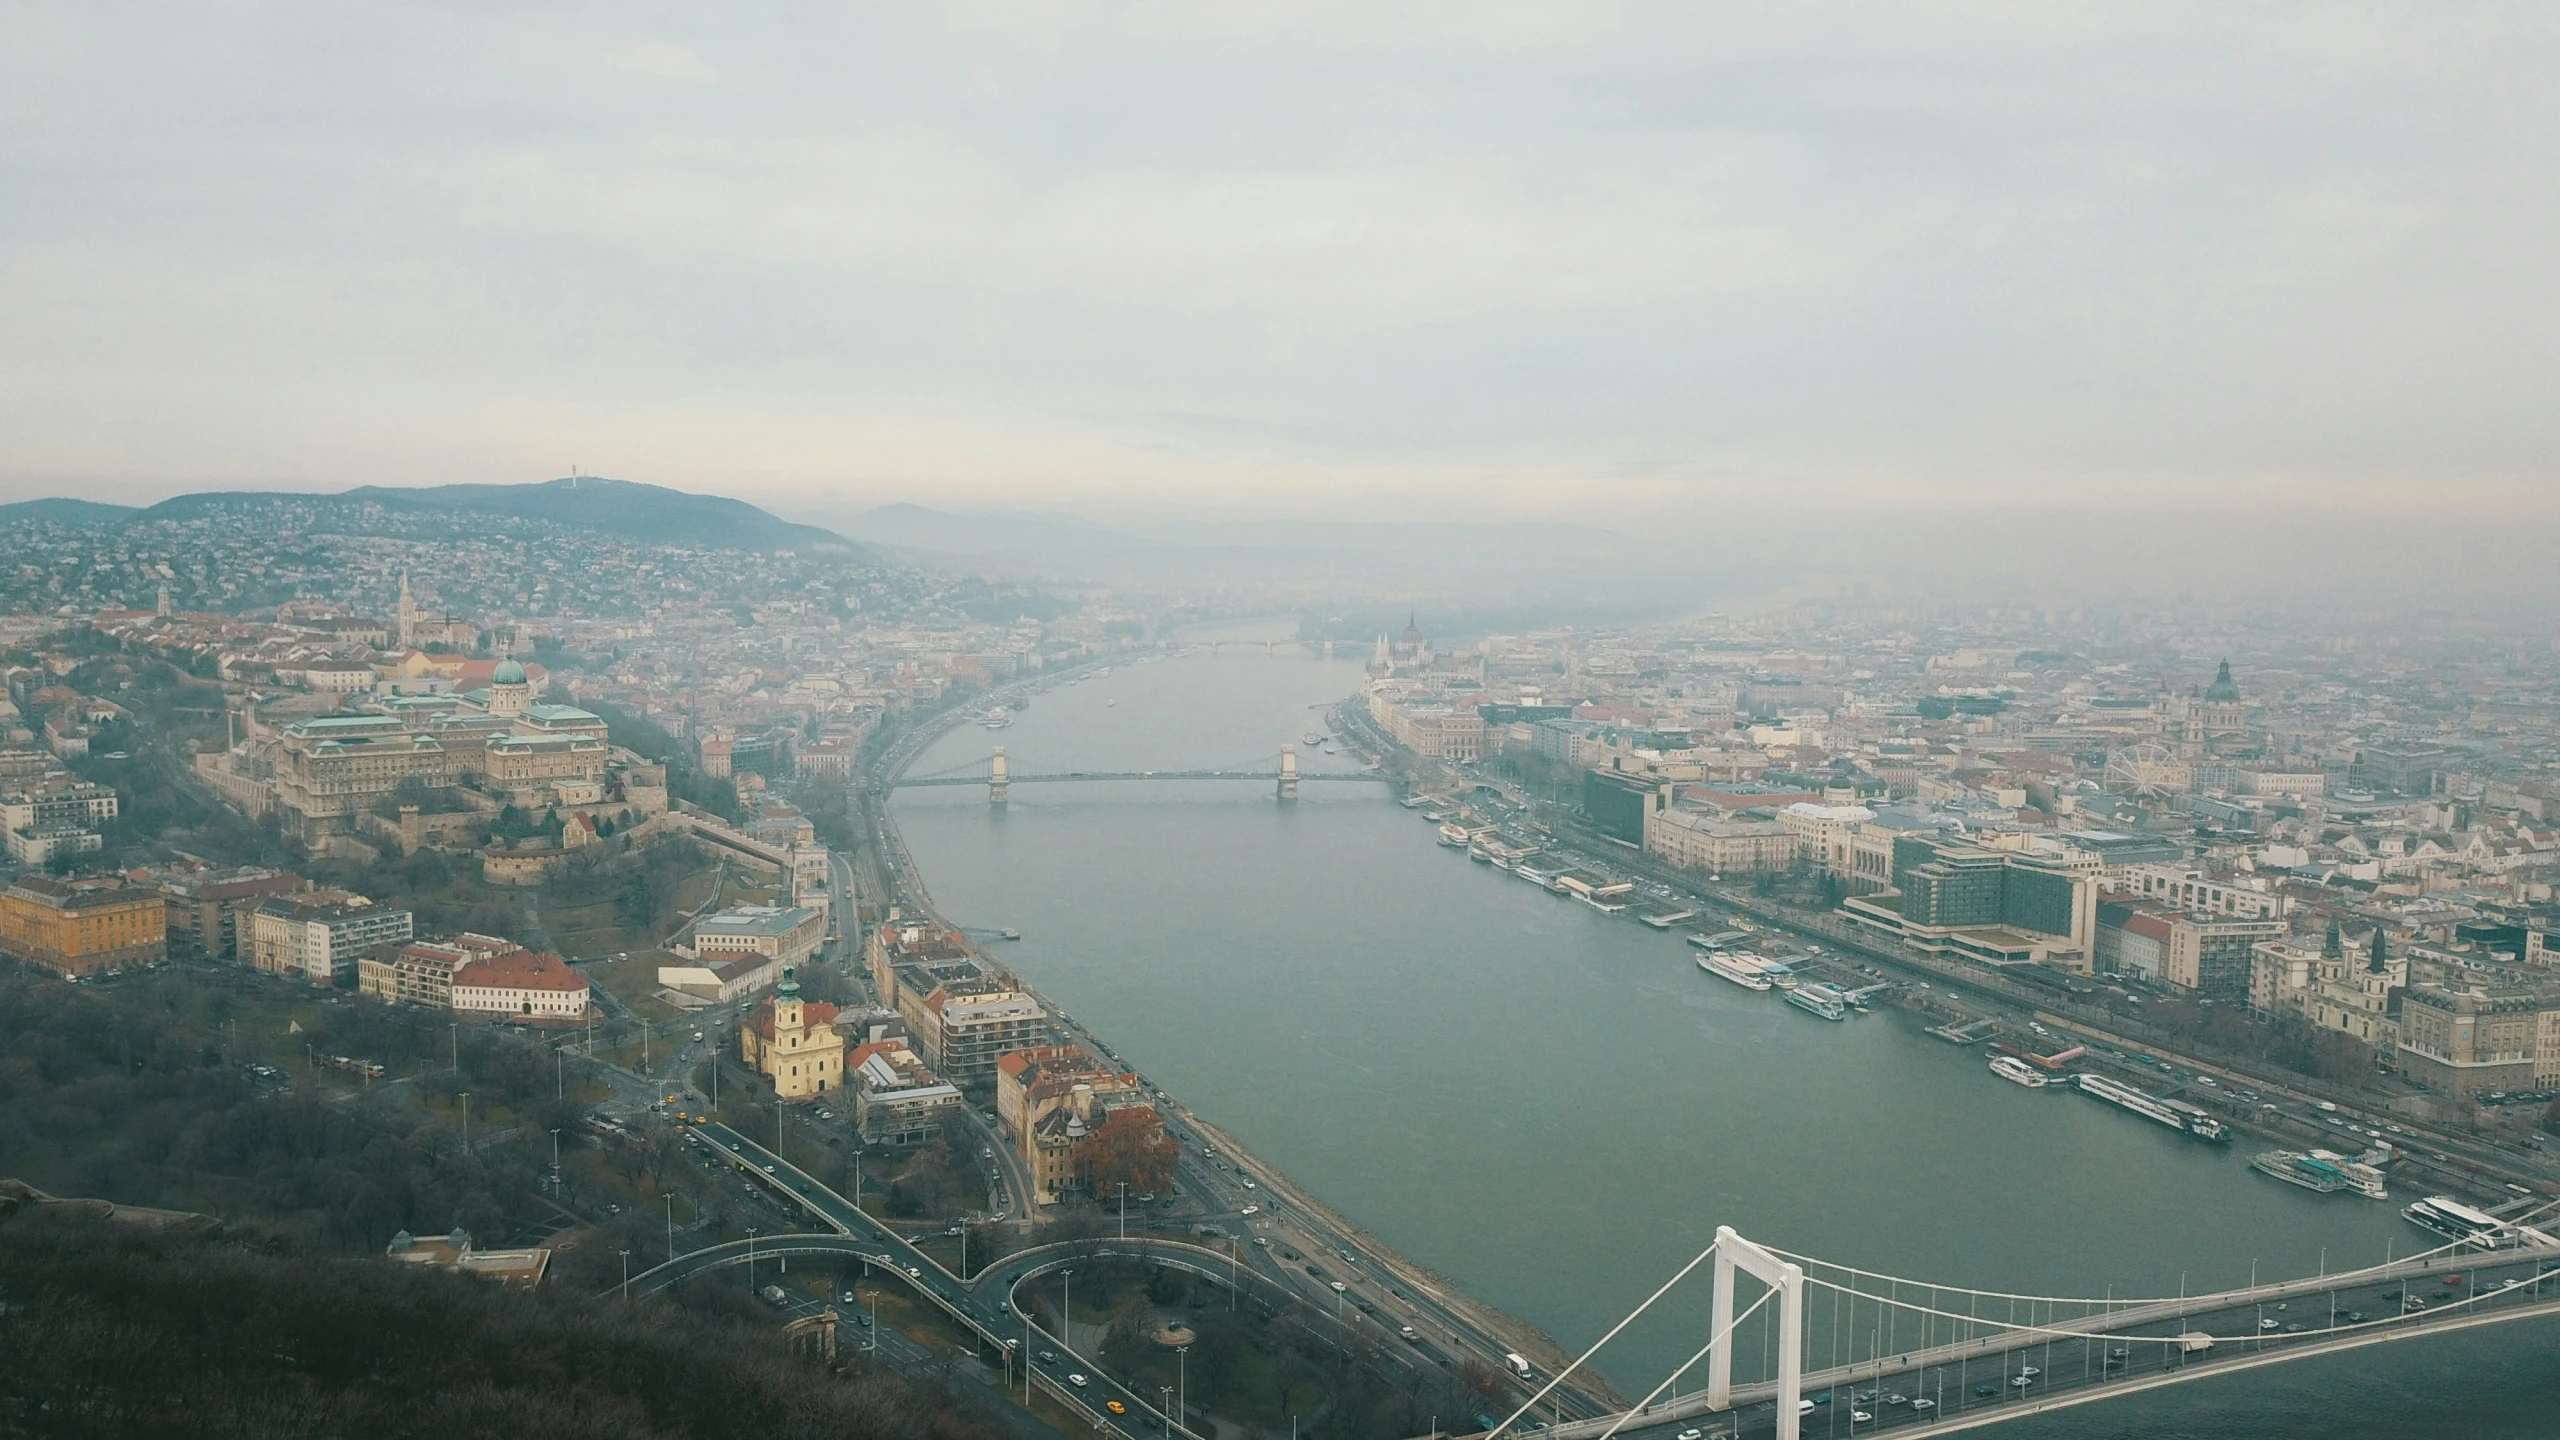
column 2074, row 1369
column 1267, row 776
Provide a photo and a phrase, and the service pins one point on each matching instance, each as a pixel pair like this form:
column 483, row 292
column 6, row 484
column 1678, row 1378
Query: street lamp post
column 555, row 1160
column 466, row 1122
column 1124, row 1209
column 671, row 1225
column 1182, row 1379
column 1167, row 1392
column 751, row 1259
column 626, row 1274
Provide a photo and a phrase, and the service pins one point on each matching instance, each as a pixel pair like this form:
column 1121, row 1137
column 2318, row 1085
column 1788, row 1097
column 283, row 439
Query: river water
column 1556, row 1107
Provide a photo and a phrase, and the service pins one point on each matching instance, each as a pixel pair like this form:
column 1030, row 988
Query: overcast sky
column 1622, row 262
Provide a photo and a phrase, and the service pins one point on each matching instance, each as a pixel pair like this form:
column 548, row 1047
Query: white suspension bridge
column 1920, row 1357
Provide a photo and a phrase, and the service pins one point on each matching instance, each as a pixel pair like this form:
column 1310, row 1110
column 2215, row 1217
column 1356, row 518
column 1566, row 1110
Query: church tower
column 408, row 616
column 786, row 1007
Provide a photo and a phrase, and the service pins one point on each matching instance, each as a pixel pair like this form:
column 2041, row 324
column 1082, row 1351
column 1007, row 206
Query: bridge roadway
column 2247, row 1327
column 1267, row 776
column 988, row 1305
column 989, row 1315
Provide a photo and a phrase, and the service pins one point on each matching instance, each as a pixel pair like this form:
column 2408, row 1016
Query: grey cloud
column 1505, row 255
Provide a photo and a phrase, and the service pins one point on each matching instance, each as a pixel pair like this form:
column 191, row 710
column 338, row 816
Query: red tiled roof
column 521, row 970
column 476, row 673
column 813, row 1013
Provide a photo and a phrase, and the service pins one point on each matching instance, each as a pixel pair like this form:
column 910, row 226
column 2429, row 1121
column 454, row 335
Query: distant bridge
column 1270, row 648
column 998, row 778
column 1267, row 775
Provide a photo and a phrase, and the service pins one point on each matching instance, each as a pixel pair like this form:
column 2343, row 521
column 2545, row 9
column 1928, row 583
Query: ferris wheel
column 2148, row 771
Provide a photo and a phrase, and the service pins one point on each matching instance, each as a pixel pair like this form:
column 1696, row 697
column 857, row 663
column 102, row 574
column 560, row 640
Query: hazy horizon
column 1630, row 265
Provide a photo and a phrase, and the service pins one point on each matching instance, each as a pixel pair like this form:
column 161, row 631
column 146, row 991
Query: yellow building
column 78, row 928
column 793, row 1043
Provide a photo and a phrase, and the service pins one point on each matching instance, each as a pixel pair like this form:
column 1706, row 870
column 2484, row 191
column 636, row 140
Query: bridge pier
column 1288, row 772
column 1783, row 1276
column 996, row 783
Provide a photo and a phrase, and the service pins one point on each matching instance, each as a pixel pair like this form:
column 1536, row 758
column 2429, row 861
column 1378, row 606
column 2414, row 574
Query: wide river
column 1556, row 1107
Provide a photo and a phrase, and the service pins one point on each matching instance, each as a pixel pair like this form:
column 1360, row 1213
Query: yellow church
column 794, row 1043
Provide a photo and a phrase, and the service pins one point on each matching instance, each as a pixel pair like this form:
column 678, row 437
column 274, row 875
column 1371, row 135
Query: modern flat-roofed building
column 321, row 936
column 2191, row 891
column 897, row 1100
column 2212, row 955
column 208, row 909
column 1999, row 907
column 788, row 934
column 962, row 1027
column 53, row 817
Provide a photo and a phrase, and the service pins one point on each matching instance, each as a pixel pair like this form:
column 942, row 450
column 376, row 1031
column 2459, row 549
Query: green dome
column 508, row 673
column 2222, row 687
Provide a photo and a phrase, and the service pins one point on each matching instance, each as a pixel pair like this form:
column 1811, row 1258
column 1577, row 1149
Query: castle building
column 509, row 690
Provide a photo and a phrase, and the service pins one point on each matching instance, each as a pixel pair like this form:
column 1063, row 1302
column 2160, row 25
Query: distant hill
column 651, row 514
column 62, row 510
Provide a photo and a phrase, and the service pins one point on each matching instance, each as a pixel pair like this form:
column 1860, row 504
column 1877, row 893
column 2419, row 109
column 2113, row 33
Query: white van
column 1519, row 1365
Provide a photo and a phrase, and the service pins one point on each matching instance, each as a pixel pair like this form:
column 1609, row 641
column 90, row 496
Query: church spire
column 2335, row 947
column 2378, row 964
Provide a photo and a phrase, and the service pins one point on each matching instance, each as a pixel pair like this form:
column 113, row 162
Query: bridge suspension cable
column 2122, row 1336
column 1560, row 1375
column 2115, row 1302
column 1667, row 1381
column 1810, row 1262
column 1991, row 1322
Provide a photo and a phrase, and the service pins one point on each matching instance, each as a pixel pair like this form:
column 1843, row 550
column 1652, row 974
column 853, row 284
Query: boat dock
column 1970, row 1034
column 1665, row 919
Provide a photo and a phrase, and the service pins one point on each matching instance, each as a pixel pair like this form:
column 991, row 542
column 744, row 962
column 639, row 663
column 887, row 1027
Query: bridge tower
column 996, row 783
column 1288, row 772
column 1783, row 1276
